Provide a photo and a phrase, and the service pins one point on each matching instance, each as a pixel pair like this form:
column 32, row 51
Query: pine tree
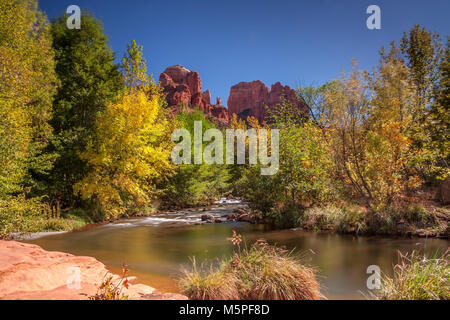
column 440, row 113
column 89, row 81
column 423, row 53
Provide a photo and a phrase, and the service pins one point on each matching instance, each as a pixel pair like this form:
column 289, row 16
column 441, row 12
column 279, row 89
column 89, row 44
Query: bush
column 418, row 278
column 288, row 216
column 210, row 285
column 301, row 182
column 262, row 192
column 262, row 272
column 20, row 215
column 111, row 287
column 403, row 219
column 350, row 218
column 194, row 185
column 419, row 214
column 344, row 219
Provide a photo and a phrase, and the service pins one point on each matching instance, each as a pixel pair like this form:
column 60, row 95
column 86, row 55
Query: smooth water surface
column 157, row 248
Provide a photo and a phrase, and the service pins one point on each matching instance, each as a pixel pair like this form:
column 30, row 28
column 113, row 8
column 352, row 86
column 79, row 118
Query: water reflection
column 156, row 253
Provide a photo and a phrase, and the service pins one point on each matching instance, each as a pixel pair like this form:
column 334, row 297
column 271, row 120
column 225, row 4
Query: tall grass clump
column 344, row 219
column 208, row 284
column 260, row 272
column 417, row 277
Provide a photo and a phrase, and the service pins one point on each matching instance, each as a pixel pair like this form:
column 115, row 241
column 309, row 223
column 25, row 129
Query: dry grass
column 262, row 272
column 207, row 284
column 418, row 278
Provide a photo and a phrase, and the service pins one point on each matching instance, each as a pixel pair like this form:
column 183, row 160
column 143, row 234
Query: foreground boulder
column 29, row 272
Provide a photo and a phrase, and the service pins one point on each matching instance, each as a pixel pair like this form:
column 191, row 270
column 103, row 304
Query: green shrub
column 402, row 219
column 303, row 178
column 344, row 219
column 55, row 224
column 20, row 215
column 419, row 214
column 195, row 184
column 286, row 217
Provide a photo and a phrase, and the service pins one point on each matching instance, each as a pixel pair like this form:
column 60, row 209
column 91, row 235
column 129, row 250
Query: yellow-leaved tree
column 131, row 147
column 394, row 113
column 27, row 85
column 368, row 117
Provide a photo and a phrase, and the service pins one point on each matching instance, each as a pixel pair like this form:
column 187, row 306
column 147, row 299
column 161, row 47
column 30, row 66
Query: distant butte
column 182, row 86
column 250, row 98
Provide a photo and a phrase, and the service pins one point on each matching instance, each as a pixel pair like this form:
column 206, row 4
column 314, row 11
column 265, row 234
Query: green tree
column 27, row 86
column 440, row 113
column 195, row 184
column 423, row 53
column 134, row 69
column 302, row 179
column 89, row 81
column 130, row 148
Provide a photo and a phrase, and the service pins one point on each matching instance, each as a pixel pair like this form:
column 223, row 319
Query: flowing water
column 156, row 248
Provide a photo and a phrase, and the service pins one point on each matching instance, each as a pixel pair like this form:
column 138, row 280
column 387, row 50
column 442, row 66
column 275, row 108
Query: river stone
column 246, row 218
column 207, row 217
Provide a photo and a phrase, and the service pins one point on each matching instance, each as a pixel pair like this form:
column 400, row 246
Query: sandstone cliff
column 184, row 87
column 250, row 99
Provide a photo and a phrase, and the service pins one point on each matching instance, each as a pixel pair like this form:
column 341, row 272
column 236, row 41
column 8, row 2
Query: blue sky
column 295, row 42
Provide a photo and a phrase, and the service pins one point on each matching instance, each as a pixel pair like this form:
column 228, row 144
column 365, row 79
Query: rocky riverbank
column 28, row 272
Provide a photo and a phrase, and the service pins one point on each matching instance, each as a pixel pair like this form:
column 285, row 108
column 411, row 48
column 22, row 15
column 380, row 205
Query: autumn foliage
column 130, row 148
column 91, row 139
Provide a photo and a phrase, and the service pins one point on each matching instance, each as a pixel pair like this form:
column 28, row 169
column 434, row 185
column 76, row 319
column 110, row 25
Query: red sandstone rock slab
column 31, row 273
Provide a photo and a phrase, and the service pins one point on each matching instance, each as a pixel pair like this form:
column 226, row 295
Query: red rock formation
column 184, row 87
column 206, row 101
column 249, row 98
column 219, row 112
column 27, row 272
